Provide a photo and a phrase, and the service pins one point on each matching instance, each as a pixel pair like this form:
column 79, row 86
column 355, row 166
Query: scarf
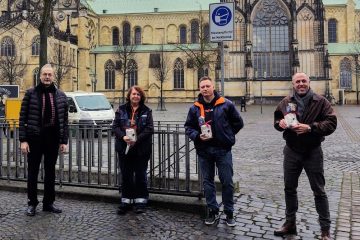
column 303, row 102
column 48, row 105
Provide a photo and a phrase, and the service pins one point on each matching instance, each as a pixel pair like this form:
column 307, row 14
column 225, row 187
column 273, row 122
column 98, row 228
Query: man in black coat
column 43, row 131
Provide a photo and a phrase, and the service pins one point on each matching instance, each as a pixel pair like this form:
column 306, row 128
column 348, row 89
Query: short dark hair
column 138, row 89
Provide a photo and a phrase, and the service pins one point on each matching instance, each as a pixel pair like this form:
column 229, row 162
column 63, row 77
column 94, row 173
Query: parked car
column 90, row 109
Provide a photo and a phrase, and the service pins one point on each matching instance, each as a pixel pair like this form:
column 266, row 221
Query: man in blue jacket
column 212, row 123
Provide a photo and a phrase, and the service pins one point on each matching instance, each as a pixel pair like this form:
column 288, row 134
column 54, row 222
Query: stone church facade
column 273, row 40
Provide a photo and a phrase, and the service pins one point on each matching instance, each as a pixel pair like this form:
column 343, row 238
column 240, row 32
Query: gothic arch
column 271, row 39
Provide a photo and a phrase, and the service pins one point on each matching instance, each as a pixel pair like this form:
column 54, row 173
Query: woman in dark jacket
column 133, row 127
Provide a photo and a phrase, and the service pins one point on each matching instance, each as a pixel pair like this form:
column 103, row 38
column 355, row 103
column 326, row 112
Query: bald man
column 305, row 118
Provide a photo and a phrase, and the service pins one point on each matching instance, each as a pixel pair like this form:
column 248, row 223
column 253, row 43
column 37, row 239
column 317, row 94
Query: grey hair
column 47, row 65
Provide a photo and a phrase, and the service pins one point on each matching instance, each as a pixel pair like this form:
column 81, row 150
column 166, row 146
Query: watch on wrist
column 309, row 128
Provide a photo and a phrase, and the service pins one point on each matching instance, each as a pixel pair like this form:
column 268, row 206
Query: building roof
column 343, row 48
column 147, row 6
column 151, row 48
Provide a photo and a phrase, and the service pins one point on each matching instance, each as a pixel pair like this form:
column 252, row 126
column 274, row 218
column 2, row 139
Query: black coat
column 144, row 130
column 30, row 115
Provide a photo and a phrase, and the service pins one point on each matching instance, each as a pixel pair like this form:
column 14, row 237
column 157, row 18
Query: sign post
column 221, row 29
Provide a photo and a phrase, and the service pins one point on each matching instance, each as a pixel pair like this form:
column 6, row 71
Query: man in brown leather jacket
column 305, row 118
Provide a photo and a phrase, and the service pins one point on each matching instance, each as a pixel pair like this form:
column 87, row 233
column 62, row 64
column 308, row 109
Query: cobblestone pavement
column 259, row 209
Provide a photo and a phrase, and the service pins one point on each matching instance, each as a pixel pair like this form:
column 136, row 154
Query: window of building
column 109, row 75
column 271, row 41
column 126, row 34
column 179, row 74
column 345, row 74
column 7, row 47
column 36, row 77
column 194, row 31
column 206, row 33
column 35, row 46
column 332, row 30
column 137, row 36
column 132, row 74
column 183, row 33
column 115, row 36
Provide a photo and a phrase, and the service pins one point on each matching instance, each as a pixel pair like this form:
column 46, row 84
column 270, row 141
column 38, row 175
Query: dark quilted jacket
column 30, row 115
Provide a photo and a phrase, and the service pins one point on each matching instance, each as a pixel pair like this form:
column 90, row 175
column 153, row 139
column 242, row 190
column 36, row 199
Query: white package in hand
column 131, row 134
column 291, row 119
column 206, row 131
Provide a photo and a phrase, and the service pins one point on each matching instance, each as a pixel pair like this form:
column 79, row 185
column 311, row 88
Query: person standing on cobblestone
column 43, row 131
column 212, row 123
column 305, row 118
column 133, row 127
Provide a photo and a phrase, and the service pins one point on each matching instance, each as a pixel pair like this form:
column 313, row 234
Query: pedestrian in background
column 133, row 127
column 305, row 118
column 242, row 104
column 43, row 132
column 212, row 123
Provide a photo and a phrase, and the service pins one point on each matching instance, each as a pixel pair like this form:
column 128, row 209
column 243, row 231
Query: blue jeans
column 223, row 160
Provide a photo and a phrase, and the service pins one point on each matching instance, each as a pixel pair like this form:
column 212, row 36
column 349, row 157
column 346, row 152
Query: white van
column 89, row 109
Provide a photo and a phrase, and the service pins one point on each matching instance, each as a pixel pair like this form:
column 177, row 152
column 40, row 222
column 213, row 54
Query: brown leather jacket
column 318, row 114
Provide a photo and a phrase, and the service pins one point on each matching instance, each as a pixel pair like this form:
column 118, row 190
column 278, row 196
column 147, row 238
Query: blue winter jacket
column 144, row 130
column 226, row 123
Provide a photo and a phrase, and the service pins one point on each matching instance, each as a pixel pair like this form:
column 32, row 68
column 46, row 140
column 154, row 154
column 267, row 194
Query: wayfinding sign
column 221, row 22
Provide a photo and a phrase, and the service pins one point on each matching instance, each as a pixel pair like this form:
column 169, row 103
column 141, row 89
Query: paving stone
column 259, row 209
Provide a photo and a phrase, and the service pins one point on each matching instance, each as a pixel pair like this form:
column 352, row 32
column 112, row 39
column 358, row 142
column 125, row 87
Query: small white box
column 131, row 133
column 206, row 131
column 291, row 120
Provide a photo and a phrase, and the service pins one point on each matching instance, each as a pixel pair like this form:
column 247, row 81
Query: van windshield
column 93, row 103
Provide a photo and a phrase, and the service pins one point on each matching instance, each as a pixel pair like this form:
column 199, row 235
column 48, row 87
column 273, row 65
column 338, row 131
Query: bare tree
column 39, row 13
column 61, row 60
column 11, row 69
column 124, row 54
column 200, row 52
column 161, row 70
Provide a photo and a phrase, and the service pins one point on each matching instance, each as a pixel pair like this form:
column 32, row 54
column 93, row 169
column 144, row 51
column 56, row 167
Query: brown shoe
column 325, row 235
column 286, row 229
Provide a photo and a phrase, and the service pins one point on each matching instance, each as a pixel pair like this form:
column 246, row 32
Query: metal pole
column 261, row 98
column 357, row 78
column 222, row 69
column 261, row 92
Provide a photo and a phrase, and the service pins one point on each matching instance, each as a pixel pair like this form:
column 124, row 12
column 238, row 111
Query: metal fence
column 91, row 159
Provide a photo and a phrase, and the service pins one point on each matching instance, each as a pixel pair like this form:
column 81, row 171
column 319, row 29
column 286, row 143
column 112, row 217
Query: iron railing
column 91, row 159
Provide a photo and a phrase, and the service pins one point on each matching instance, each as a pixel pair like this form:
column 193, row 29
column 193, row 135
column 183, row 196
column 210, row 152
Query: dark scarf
column 48, row 104
column 303, row 101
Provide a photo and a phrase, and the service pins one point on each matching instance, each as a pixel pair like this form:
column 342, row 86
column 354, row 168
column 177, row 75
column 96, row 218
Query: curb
column 172, row 202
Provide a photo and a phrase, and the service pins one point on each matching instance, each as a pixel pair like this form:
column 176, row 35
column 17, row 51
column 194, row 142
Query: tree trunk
column 123, row 89
column 43, row 29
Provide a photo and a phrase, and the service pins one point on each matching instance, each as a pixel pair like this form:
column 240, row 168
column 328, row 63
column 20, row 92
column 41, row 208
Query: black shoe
column 140, row 208
column 212, row 217
column 230, row 221
column 286, row 229
column 123, row 208
column 31, row 210
column 51, row 208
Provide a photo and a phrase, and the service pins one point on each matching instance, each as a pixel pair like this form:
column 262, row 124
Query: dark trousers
column 46, row 145
column 134, row 177
column 312, row 162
